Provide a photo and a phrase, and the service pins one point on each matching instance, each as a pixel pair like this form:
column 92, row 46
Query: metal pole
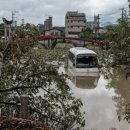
column 9, row 31
column 5, row 32
column 1, row 62
column 24, row 106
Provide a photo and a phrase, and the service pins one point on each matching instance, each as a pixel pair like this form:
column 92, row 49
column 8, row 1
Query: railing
column 50, row 37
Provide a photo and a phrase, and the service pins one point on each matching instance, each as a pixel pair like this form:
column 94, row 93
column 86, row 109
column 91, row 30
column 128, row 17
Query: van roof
column 81, row 50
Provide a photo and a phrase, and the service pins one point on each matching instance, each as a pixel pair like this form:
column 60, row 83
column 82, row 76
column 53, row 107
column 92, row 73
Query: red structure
column 54, row 39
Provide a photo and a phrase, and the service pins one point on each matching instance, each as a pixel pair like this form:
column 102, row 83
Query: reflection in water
column 85, row 82
column 104, row 99
column 122, row 90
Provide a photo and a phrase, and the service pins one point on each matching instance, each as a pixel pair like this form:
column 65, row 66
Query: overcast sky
column 36, row 11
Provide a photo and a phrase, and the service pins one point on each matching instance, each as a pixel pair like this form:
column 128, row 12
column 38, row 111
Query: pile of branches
column 8, row 123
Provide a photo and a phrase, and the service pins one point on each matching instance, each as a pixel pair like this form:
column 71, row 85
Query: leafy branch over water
column 24, row 72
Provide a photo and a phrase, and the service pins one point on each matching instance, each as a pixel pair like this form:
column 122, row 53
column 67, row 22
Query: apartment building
column 48, row 23
column 75, row 22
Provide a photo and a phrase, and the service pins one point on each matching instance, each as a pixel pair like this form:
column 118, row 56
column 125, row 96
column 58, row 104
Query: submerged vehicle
column 82, row 61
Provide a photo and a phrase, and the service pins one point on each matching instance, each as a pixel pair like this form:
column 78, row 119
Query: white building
column 55, row 32
column 75, row 22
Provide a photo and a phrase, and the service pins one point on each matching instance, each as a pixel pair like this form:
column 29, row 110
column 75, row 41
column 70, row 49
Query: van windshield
column 86, row 61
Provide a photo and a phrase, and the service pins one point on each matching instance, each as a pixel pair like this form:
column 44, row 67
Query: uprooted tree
column 50, row 100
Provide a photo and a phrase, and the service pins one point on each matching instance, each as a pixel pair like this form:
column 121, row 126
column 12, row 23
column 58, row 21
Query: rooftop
column 81, row 50
column 74, row 13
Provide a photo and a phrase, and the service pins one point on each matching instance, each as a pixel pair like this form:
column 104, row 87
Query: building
column 75, row 22
column 90, row 24
column 96, row 24
column 48, row 23
column 41, row 28
column 55, row 31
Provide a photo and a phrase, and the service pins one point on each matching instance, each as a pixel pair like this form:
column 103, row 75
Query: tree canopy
column 24, row 72
column 118, row 37
column 87, row 33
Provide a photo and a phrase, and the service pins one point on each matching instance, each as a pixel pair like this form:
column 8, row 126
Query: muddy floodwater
column 104, row 97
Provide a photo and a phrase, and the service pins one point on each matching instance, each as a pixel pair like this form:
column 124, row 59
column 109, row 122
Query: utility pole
column 15, row 22
column 96, row 23
column 122, row 13
column 13, row 17
column 129, row 14
column 129, row 6
column 98, row 26
column 22, row 21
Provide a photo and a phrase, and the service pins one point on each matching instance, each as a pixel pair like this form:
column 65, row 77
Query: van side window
column 71, row 57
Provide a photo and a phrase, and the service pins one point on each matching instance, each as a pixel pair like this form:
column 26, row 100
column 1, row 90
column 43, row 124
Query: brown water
column 104, row 99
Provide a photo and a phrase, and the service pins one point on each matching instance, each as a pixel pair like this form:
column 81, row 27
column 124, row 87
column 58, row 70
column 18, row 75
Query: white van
column 82, row 61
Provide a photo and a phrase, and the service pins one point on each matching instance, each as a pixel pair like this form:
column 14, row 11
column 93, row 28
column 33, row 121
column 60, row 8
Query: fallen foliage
column 9, row 123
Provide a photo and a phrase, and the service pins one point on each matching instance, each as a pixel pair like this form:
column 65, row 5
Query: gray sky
column 36, row 11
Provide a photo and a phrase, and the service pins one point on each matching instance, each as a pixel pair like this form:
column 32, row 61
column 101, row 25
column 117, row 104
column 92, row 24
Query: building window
column 74, row 33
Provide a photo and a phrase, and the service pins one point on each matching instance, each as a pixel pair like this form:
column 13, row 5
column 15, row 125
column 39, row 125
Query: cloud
column 36, row 11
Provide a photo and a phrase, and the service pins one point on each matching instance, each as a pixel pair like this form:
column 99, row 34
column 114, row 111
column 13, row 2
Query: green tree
column 118, row 38
column 26, row 31
column 25, row 73
column 127, row 113
column 87, row 33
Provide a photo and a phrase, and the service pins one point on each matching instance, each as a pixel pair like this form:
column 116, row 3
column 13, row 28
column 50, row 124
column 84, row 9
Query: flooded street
column 103, row 99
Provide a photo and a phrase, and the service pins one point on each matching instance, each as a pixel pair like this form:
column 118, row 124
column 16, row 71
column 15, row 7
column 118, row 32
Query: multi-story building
column 75, row 22
column 96, row 24
column 41, row 28
column 48, row 23
column 90, row 24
